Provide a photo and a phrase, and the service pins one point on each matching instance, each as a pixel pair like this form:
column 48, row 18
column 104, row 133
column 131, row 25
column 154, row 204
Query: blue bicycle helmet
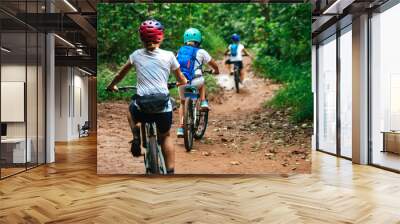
column 235, row 37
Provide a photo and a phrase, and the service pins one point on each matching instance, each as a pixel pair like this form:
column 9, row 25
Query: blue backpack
column 234, row 49
column 187, row 58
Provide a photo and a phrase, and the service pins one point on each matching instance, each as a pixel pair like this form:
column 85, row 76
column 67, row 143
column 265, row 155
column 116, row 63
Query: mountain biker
column 153, row 66
column 191, row 58
column 234, row 51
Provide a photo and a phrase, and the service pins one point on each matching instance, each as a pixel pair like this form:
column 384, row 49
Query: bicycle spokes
column 154, row 158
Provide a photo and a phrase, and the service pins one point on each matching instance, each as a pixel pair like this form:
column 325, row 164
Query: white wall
column 62, row 81
column 71, row 102
column 80, row 110
column 12, row 73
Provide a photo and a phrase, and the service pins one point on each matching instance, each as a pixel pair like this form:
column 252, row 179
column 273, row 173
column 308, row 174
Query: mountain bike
column 153, row 158
column 236, row 75
column 195, row 119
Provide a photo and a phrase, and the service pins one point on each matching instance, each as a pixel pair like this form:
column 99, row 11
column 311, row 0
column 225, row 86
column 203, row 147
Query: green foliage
column 295, row 97
column 214, row 44
column 278, row 34
column 211, row 84
column 118, row 37
column 285, row 57
column 118, row 28
column 104, row 77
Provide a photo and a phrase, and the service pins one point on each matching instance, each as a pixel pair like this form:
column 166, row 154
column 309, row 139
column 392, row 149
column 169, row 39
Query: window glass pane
column 32, row 84
column 346, row 93
column 41, row 98
column 14, row 153
column 327, row 96
column 22, row 87
column 386, row 89
column 32, row 97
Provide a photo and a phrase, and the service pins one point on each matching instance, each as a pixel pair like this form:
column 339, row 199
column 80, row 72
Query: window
column 327, row 95
column 385, row 89
column 346, row 92
column 22, row 88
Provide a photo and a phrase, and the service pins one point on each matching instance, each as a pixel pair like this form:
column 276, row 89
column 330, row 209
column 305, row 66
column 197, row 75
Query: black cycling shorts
column 163, row 120
column 238, row 63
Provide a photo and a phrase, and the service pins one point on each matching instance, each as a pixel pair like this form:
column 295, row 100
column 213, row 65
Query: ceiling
column 74, row 22
column 327, row 13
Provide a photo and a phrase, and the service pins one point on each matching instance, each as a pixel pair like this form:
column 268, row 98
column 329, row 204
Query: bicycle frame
column 236, row 68
column 193, row 93
column 193, row 117
column 150, row 139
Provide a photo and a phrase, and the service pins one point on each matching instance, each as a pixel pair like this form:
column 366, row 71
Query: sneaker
column 170, row 171
column 135, row 147
column 204, row 104
column 179, row 132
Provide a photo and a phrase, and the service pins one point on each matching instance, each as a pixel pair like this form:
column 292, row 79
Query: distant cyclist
column 153, row 66
column 235, row 51
column 191, row 59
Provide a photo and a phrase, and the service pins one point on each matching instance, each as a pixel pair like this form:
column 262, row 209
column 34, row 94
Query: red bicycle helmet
column 151, row 31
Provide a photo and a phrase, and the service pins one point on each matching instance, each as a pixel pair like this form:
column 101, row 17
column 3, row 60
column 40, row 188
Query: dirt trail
column 236, row 142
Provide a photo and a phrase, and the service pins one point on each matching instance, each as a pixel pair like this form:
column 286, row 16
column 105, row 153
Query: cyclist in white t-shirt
column 235, row 51
column 192, row 37
column 153, row 66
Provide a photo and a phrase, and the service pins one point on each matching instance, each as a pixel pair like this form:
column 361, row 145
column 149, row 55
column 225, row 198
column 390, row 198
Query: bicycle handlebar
column 126, row 88
column 171, row 85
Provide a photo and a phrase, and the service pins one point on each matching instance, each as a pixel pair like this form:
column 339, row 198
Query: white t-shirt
column 152, row 71
column 202, row 58
column 238, row 56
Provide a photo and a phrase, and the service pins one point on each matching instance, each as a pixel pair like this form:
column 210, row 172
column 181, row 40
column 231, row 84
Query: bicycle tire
column 153, row 155
column 162, row 166
column 237, row 80
column 188, row 124
column 143, row 135
column 201, row 129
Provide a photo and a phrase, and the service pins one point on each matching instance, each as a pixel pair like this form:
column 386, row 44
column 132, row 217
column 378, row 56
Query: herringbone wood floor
column 69, row 191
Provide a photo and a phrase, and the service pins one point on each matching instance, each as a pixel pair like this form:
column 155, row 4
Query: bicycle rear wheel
column 237, row 79
column 201, row 123
column 188, row 124
column 152, row 156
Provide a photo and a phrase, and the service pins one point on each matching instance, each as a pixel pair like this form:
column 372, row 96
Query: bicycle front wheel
column 237, row 80
column 188, row 122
